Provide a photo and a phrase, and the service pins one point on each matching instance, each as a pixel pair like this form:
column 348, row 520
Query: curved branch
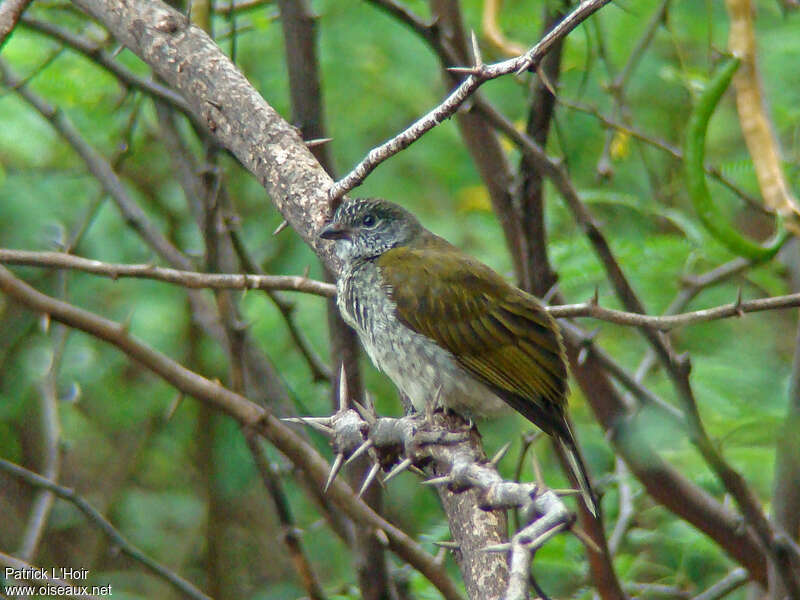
column 99, row 521
column 243, row 281
column 478, row 75
column 249, row 414
column 189, row 279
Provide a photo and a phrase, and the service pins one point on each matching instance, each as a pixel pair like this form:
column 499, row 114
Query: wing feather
column 501, row 335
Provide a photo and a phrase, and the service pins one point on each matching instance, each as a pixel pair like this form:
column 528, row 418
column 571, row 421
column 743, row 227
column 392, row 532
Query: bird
column 441, row 324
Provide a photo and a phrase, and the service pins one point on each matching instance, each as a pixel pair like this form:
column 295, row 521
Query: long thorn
column 307, row 420
column 476, row 51
column 438, row 481
column 500, row 454
column 343, row 392
column 284, row 224
column 359, row 451
column 317, row 142
column 319, row 426
column 173, row 407
column 398, row 468
column 337, row 464
column 369, row 479
column 448, row 544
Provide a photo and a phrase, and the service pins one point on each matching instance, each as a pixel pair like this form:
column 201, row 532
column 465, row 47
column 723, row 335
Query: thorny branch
column 249, row 414
column 450, row 455
column 478, row 75
column 189, row 279
column 242, row 281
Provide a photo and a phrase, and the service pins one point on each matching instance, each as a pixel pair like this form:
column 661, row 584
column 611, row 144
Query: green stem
column 710, row 215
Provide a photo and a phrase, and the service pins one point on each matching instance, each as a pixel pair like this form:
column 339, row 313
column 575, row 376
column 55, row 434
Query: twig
column 477, row 77
column 51, row 442
column 98, row 55
column 189, row 279
column 626, row 510
column 670, row 322
column 732, row 581
column 241, row 281
column 288, row 529
column 249, row 414
column 100, row 522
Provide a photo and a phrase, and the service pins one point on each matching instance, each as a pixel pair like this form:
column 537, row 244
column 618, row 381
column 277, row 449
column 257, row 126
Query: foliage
column 184, row 489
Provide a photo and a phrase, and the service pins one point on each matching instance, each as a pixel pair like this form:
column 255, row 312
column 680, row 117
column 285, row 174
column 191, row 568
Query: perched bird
column 442, row 324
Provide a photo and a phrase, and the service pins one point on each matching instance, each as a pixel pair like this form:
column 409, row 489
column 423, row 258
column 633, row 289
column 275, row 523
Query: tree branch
column 478, row 75
column 99, row 521
column 189, row 279
column 10, row 12
column 249, row 414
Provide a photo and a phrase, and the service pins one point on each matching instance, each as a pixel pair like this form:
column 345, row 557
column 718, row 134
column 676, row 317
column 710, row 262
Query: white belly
column 419, row 367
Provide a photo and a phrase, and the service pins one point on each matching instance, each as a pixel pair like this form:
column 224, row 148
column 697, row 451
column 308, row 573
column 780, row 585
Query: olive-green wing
column 500, row 334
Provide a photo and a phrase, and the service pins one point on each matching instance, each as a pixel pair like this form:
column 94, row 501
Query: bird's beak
column 335, row 231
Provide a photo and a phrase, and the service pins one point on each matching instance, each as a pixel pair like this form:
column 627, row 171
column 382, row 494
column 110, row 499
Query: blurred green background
column 149, row 474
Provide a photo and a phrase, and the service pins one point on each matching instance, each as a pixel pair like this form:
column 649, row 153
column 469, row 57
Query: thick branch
column 10, row 12
column 235, row 114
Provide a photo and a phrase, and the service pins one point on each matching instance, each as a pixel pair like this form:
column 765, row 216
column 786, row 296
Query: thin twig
column 100, row 522
column 241, row 281
column 249, row 414
column 51, row 445
column 732, row 581
column 477, row 77
column 189, row 279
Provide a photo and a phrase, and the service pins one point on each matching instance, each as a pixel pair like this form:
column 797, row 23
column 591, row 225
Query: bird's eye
column 369, row 220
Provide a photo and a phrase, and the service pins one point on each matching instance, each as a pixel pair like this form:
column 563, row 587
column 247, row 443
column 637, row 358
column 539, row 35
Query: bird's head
column 365, row 228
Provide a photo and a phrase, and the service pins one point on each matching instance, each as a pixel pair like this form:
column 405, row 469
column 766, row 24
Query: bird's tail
column 578, row 472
